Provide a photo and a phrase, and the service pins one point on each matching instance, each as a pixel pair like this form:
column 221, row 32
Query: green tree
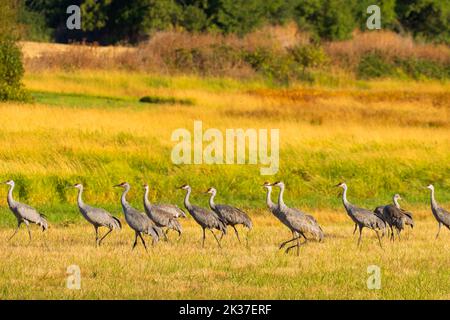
column 11, row 68
column 428, row 19
column 194, row 19
column 329, row 19
column 239, row 16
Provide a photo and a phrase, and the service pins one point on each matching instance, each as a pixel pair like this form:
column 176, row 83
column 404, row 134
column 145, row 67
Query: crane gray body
column 24, row 213
column 161, row 217
column 172, row 209
column 207, row 219
column 232, row 216
column 395, row 217
column 441, row 215
column 363, row 218
column 98, row 217
column 138, row 221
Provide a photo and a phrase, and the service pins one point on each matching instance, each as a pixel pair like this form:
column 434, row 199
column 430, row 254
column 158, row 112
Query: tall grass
column 270, row 53
column 414, row 268
column 90, row 127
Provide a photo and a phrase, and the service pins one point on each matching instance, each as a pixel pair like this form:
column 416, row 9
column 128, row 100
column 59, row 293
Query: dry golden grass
column 414, row 268
column 389, row 43
column 380, row 137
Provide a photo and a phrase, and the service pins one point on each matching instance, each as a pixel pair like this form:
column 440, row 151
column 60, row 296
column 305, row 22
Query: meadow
column 380, row 137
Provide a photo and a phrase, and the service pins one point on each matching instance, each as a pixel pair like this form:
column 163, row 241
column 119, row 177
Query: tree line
column 130, row 21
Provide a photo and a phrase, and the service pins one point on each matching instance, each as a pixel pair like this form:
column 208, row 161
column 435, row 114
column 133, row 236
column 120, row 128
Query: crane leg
column 135, row 239
column 295, row 237
column 96, row 236
column 143, row 242
column 165, row 235
column 354, row 230
column 29, row 232
column 15, row 231
column 100, row 241
column 392, row 237
column 246, row 237
column 215, row 237
column 298, row 244
column 360, row 235
column 203, row 240
column 439, row 230
column 237, row 234
column 378, row 236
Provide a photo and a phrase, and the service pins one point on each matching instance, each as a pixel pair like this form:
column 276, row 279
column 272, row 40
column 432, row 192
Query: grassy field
column 381, row 137
column 414, row 268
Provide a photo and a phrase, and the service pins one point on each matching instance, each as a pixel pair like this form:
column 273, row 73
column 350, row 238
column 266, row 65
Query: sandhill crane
column 205, row 218
column 442, row 216
column 362, row 217
column 98, row 217
column 161, row 217
column 137, row 220
column 297, row 221
column 232, row 216
column 273, row 207
column 24, row 213
column 394, row 216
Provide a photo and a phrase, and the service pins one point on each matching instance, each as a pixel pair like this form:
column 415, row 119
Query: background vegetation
column 381, row 137
column 112, row 21
column 11, row 69
column 368, row 108
column 89, row 126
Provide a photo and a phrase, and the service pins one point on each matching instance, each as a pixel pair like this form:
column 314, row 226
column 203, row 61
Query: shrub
column 309, row 56
column 374, row 65
column 424, row 69
column 277, row 67
column 11, row 68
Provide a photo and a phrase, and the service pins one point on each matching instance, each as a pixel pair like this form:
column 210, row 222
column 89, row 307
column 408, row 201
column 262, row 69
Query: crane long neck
column 280, row 197
column 211, row 201
column 80, row 199
column 146, row 201
column 269, row 202
column 396, row 203
column 147, row 204
column 10, row 195
column 433, row 200
column 123, row 199
column 187, row 204
column 344, row 197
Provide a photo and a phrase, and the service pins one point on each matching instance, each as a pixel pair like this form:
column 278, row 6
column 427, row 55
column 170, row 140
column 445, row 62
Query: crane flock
column 157, row 219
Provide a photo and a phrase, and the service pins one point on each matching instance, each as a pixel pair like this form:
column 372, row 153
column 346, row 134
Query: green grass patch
column 82, row 100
